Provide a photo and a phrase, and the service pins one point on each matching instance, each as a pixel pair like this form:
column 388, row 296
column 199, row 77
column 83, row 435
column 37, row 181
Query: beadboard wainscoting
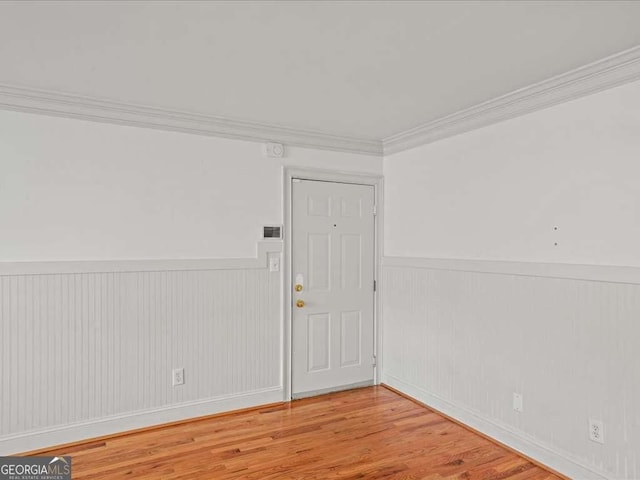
column 88, row 348
column 463, row 336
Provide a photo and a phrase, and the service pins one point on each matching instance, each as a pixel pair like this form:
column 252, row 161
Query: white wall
column 87, row 348
column 464, row 335
column 78, row 190
column 497, row 192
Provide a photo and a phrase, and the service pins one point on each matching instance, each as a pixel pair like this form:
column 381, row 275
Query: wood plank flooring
column 368, row 433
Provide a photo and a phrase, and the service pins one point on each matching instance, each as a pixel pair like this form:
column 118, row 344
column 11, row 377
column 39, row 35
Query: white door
column 333, row 289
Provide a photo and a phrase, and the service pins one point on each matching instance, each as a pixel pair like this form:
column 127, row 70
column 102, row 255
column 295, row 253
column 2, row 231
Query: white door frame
column 289, row 173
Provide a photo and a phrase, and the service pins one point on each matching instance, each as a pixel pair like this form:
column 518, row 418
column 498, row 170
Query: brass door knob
column 300, row 303
column 298, row 288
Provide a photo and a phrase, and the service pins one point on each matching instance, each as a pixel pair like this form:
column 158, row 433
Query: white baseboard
column 36, row 440
column 544, row 454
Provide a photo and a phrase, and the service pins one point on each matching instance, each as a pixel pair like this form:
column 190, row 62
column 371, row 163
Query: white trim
column 378, row 294
column 618, row 69
column 39, row 439
column 289, row 173
column 595, row 273
column 287, row 286
column 341, row 388
column 44, row 102
column 507, row 435
column 111, row 266
column 612, row 71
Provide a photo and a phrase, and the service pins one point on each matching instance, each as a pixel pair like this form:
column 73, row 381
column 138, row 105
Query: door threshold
column 339, row 388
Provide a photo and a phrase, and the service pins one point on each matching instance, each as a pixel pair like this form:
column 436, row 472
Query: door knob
column 300, row 303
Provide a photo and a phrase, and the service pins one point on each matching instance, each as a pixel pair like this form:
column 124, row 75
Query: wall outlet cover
column 596, row 431
column 517, row 402
column 178, row 376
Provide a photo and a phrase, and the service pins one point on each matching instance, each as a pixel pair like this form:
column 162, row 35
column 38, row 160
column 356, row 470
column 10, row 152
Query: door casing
column 289, row 173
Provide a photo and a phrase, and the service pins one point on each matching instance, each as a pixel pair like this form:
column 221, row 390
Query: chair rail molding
column 567, row 271
column 263, row 248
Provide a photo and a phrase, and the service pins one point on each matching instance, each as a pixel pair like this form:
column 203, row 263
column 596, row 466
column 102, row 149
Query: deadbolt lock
column 298, row 288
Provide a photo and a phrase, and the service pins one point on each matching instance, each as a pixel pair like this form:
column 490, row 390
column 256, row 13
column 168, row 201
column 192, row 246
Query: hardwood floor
column 368, row 433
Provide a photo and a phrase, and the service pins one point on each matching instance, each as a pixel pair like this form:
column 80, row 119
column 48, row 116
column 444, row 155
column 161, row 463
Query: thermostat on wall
column 272, row 232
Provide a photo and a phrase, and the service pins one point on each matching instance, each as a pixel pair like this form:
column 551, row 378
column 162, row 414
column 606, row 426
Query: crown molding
column 618, row 69
column 609, row 72
column 44, row 102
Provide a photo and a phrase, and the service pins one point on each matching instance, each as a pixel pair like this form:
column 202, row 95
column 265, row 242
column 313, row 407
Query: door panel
column 351, row 261
column 319, row 261
column 333, row 259
column 350, row 339
column 319, row 206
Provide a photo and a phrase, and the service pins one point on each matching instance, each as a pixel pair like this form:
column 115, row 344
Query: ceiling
column 358, row 69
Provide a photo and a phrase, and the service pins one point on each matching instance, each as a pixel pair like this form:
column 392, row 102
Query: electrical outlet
column 178, row 376
column 596, row 431
column 517, row 402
